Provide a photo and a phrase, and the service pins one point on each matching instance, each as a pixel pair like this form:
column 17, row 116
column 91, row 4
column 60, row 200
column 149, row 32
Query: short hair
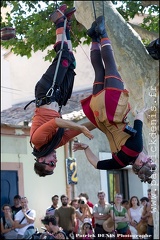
column 144, row 199
column 63, row 196
column 54, row 197
column 40, row 169
column 101, row 192
column 17, row 197
column 124, row 201
column 49, row 218
column 84, row 195
column 118, row 195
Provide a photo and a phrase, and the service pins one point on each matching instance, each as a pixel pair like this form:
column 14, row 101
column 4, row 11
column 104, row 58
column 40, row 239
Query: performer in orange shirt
column 49, row 131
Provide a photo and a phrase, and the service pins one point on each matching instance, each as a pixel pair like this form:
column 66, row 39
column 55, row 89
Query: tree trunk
column 140, row 73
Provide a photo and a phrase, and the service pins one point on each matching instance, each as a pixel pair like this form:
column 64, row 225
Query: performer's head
column 144, row 167
column 45, row 165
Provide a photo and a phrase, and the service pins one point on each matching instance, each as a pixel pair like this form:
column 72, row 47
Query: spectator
column 24, row 220
column 66, row 217
column 17, row 204
column 74, row 203
column 87, row 229
column 101, row 213
column 7, row 223
column 134, row 213
column 125, row 204
column 120, row 216
column 90, row 204
column 147, row 215
column 142, row 225
column 144, row 201
column 53, row 229
column 51, row 209
column 83, row 211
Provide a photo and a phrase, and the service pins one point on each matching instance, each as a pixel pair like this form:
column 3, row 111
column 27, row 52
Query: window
column 117, row 183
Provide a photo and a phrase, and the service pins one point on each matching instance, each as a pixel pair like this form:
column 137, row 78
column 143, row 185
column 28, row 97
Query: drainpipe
column 66, row 155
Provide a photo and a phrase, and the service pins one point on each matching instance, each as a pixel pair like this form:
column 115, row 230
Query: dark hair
column 17, row 197
column 100, row 192
column 130, row 201
column 63, row 196
column 84, row 195
column 144, row 199
column 124, row 201
column 6, row 205
column 54, row 197
column 47, row 219
column 40, row 169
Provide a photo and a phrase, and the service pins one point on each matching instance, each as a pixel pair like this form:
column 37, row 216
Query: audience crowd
column 79, row 218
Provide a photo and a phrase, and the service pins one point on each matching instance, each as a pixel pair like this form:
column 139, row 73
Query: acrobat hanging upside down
column 107, row 109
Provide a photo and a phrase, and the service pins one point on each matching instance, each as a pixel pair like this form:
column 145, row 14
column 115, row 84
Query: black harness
column 50, row 146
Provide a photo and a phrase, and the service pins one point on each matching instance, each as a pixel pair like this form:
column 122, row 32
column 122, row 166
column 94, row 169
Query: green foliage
column 35, row 32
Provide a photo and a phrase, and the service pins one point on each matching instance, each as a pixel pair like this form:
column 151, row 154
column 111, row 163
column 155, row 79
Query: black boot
column 92, row 33
column 100, row 28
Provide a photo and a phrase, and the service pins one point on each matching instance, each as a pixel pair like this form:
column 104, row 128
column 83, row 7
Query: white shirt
column 18, row 217
column 136, row 214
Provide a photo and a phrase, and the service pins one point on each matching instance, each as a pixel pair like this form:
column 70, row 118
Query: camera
column 131, row 131
column 81, row 202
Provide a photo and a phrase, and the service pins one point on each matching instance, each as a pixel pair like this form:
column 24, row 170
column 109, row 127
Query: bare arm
column 72, row 125
column 5, row 230
column 89, row 154
column 20, row 225
column 29, row 219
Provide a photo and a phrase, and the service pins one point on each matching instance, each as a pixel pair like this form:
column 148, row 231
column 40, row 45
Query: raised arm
column 72, row 125
column 140, row 115
column 89, row 154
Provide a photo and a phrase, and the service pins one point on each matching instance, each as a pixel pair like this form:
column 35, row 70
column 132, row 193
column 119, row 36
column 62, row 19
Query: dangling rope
column 51, row 90
column 94, row 9
column 113, row 208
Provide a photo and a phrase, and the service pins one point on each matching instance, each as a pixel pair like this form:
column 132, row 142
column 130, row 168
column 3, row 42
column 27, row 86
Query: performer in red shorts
column 49, row 131
column 107, row 109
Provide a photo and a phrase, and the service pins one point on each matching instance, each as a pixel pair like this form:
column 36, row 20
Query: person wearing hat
column 120, row 216
column 82, row 212
column 87, row 229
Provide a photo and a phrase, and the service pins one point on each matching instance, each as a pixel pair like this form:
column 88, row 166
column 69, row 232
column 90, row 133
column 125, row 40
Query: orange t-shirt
column 44, row 128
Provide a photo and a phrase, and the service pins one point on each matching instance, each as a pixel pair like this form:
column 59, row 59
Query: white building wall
column 20, row 74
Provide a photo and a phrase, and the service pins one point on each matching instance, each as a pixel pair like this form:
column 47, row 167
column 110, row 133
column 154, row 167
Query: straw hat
column 142, row 227
column 108, row 225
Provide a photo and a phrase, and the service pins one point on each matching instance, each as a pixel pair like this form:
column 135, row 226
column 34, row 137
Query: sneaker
column 100, row 28
column 69, row 12
column 92, row 33
column 58, row 14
